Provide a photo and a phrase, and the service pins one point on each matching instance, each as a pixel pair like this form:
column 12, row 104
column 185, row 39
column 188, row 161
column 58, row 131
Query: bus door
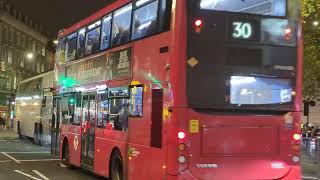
column 55, row 125
column 88, row 128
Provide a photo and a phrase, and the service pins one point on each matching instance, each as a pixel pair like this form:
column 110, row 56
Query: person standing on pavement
column 2, row 122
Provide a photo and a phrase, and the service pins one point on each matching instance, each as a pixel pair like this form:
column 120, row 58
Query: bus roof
column 36, row 77
column 99, row 14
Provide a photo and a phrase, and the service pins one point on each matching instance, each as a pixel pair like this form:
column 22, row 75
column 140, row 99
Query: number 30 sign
column 243, row 30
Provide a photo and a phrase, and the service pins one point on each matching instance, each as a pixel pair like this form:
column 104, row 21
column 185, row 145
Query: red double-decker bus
column 181, row 89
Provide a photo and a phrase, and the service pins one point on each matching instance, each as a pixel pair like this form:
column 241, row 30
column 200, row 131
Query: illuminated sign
column 118, row 92
column 244, row 30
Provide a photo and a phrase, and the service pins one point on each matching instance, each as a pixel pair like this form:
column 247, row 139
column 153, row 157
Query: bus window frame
column 88, row 30
column 98, row 100
column 136, row 8
column 110, row 33
column 84, row 48
column 130, row 26
column 66, row 41
column 75, row 106
column 159, row 28
column 127, row 97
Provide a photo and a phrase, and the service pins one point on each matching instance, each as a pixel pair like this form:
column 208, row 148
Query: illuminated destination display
column 242, row 29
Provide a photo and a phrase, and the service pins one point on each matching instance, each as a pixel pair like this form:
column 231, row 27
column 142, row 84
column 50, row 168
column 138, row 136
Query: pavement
column 22, row 160
column 310, row 171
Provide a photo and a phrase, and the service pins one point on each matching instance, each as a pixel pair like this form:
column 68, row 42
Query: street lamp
column 30, row 56
column 315, row 23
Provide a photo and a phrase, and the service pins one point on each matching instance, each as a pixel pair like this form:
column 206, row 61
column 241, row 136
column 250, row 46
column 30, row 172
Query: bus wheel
column 116, row 167
column 66, row 155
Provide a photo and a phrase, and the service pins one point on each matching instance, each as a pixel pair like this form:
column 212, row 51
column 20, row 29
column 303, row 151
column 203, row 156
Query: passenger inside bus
column 121, row 36
column 119, row 112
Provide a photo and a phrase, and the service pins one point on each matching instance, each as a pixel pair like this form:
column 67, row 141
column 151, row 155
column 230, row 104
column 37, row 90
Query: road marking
column 3, row 140
column 36, row 160
column 41, row 175
column 62, row 165
column 28, row 175
column 28, row 152
column 12, row 158
column 309, row 177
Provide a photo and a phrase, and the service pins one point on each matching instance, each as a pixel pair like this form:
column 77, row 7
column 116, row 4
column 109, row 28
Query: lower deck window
column 103, row 110
column 118, row 118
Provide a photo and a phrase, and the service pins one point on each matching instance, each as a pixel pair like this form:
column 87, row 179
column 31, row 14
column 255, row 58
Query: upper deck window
column 139, row 3
column 93, row 37
column 60, row 55
column 263, row 7
column 121, row 25
column 81, row 42
column 106, row 32
column 71, row 47
column 145, row 20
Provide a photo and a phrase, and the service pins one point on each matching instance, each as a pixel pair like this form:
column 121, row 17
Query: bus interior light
column 181, row 135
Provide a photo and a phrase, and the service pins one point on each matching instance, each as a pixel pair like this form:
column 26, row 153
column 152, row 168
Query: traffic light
column 306, row 104
column 71, row 100
column 44, row 101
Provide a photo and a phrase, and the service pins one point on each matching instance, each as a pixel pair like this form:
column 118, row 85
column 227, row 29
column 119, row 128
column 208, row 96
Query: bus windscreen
column 259, row 90
column 262, row 7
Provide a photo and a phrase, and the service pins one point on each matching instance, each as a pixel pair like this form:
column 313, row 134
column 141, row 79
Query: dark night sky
column 55, row 15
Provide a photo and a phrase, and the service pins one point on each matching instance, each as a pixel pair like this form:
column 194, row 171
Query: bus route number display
column 246, row 30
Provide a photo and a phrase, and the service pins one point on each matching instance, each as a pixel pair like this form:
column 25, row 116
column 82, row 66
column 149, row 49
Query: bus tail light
column 181, row 147
column 181, row 135
column 295, row 159
column 296, row 147
column 296, row 137
column 198, row 25
column 182, row 159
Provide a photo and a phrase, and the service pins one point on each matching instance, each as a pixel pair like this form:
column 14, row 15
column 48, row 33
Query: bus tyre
column 116, row 166
column 66, row 155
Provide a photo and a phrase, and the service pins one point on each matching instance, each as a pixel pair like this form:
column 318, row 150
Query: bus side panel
column 105, row 142
column 72, row 133
column 146, row 163
column 75, row 145
column 294, row 174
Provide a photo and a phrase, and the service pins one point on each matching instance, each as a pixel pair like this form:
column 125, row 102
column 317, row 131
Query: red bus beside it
column 175, row 89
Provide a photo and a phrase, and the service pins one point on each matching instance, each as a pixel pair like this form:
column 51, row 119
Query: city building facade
column 23, row 53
